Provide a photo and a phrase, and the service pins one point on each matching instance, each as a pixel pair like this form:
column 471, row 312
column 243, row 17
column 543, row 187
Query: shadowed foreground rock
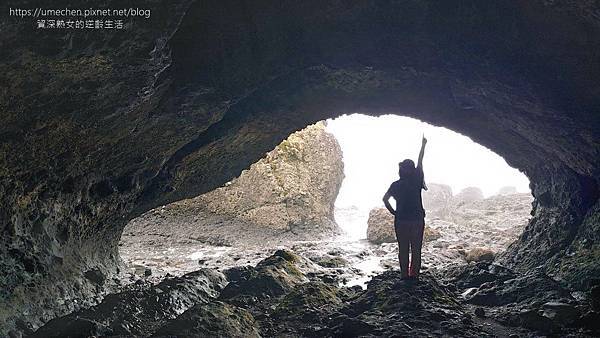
column 141, row 310
column 215, row 319
column 286, row 295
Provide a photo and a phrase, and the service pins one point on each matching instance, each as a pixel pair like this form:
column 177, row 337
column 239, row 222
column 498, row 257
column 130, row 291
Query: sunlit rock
column 480, row 255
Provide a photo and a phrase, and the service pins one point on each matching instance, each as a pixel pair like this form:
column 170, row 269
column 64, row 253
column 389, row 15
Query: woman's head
column 406, row 168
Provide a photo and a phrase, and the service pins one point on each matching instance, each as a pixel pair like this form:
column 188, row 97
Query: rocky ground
column 286, row 295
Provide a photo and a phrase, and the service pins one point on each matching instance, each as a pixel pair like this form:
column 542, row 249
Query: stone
column 589, row 320
column 480, row 255
column 214, row 319
column 532, row 319
column 380, row 227
column 272, row 277
column 96, row 276
column 561, row 313
column 307, row 296
column 352, row 327
column 138, row 311
column 329, row 261
column 595, row 297
column 480, row 312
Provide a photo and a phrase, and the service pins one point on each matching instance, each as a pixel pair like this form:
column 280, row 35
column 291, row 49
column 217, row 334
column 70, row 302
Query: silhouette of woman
column 409, row 216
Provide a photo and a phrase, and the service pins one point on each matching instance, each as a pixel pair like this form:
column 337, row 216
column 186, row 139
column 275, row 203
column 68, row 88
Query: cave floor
column 288, row 295
column 234, row 280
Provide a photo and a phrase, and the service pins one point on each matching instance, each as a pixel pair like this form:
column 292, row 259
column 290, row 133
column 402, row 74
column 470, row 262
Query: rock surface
column 293, row 187
column 480, row 255
column 100, row 127
column 215, row 319
column 285, row 295
column 140, row 310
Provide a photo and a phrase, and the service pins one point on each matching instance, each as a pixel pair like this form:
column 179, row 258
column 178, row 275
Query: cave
column 102, row 126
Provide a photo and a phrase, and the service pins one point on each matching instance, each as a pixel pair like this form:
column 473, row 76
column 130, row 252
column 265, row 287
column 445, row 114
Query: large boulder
column 380, row 228
column 287, row 195
column 272, row 277
column 294, row 186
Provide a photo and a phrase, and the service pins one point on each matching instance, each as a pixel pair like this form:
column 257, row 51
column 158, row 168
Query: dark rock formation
column 141, row 310
column 531, row 300
column 101, row 126
column 215, row 319
column 285, row 296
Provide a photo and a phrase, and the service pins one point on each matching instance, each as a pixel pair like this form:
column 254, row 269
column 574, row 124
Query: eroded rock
column 140, row 310
column 272, row 277
column 214, row 319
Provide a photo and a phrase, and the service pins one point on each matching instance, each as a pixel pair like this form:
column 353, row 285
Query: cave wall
column 100, row 126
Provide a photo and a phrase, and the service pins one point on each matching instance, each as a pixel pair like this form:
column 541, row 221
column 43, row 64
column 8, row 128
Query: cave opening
column 319, row 192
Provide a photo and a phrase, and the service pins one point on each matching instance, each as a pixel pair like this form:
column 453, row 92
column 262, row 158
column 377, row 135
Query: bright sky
column 373, row 146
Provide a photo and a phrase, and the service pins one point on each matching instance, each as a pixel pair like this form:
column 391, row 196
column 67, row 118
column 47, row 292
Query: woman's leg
column 416, row 243
column 403, row 243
